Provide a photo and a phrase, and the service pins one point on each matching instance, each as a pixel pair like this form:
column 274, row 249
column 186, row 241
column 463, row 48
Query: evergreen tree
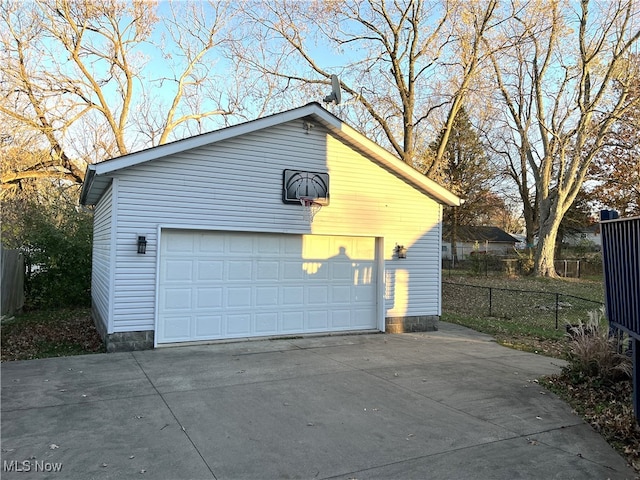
column 469, row 174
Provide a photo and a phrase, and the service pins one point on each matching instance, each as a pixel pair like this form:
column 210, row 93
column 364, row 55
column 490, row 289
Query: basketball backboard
column 312, row 185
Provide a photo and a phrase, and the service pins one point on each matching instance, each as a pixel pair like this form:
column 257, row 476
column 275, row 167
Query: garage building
column 206, row 238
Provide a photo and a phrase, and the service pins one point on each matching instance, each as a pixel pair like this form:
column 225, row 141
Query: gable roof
column 98, row 176
column 481, row 234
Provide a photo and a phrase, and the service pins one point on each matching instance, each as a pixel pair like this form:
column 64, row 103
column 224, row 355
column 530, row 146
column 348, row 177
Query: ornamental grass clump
column 596, row 354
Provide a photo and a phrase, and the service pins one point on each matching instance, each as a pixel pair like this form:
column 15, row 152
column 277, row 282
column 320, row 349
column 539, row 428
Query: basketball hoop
column 311, row 207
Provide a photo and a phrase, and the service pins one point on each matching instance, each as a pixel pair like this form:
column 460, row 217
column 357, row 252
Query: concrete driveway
column 450, row 404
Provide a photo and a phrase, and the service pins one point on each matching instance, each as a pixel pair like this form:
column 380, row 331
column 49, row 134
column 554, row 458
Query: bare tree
column 557, row 83
column 81, row 74
column 27, row 97
column 507, row 136
column 193, row 30
column 401, row 62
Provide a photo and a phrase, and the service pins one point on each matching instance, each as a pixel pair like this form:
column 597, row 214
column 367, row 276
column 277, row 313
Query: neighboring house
column 521, row 240
column 589, row 235
column 492, row 240
column 228, row 255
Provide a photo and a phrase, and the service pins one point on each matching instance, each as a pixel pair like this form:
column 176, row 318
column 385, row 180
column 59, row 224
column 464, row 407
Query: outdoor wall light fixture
column 400, row 251
column 142, row 244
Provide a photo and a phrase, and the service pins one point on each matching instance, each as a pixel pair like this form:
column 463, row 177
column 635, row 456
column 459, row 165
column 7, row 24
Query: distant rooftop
column 480, row 234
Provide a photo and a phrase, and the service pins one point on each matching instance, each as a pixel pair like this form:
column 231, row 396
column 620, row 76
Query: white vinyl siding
column 236, row 185
column 370, row 199
column 101, row 257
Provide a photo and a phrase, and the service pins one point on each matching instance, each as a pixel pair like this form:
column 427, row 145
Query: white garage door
column 216, row 285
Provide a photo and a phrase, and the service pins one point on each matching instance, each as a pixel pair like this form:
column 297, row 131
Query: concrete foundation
column 417, row 323
column 122, row 341
column 143, row 340
column 129, row 341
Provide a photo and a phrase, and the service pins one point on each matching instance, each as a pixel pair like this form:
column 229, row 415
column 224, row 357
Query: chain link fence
column 544, row 309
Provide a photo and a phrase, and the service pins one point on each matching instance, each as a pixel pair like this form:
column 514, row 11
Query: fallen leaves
column 50, row 334
column 607, row 407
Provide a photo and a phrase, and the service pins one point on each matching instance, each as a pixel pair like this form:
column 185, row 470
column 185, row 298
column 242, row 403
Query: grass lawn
column 42, row 334
column 521, row 312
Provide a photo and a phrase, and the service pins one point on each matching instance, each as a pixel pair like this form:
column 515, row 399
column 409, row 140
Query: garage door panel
column 239, row 270
column 360, row 318
column 269, row 246
column 318, row 320
column 181, row 242
column 363, row 275
column 293, row 322
column 342, row 271
column 209, row 297
column 292, row 270
column 341, row 319
column 363, row 294
column 210, row 270
column 267, row 323
column 293, row 295
column 341, row 294
column 363, row 251
column 177, row 328
column 217, row 285
column 266, row 296
column 208, row 326
column 268, row 270
column 313, row 270
column 177, row 299
column 318, row 294
column 239, row 325
column 291, row 245
column 209, row 244
column 238, row 297
column 317, row 271
column 239, row 243
column 179, row 270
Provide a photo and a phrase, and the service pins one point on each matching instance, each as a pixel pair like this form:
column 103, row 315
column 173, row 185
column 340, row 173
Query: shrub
column 482, row 262
column 583, row 247
column 594, row 353
column 62, row 251
column 525, row 262
column 55, row 238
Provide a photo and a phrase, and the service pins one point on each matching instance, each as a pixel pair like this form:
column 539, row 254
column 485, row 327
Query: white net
column 310, row 208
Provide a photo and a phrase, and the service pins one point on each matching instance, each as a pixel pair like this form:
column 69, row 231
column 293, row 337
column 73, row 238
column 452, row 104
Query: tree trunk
column 454, row 236
column 545, row 253
column 530, row 223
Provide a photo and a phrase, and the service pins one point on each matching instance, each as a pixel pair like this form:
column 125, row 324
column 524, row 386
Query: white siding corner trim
column 381, row 307
column 103, row 267
column 112, row 260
